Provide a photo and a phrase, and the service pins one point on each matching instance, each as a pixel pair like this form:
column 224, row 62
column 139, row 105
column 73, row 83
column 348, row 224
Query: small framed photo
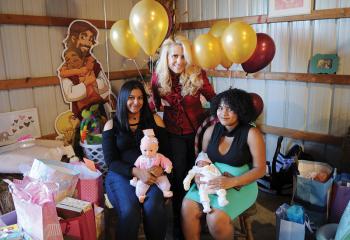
column 280, row 8
column 324, row 63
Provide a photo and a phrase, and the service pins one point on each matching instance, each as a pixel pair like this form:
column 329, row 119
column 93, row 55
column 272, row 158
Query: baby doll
column 149, row 158
column 208, row 171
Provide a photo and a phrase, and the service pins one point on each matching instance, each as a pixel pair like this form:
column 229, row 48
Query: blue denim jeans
column 128, row 209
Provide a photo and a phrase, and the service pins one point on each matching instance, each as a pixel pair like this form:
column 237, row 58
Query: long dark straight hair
column 146, row 116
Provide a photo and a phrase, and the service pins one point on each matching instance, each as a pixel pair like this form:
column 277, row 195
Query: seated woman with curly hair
column 238, row 150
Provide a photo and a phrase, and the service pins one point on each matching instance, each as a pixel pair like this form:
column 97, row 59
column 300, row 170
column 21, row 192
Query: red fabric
column 175, row 118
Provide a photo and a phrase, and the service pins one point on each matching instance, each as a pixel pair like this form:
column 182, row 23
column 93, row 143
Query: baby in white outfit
column 208, row 171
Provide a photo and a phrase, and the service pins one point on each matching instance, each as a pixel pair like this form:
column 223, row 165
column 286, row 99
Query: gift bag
column 35, row 208
column 312, row 193
column 55, row 171
column 100, row 224
column 90, row 184
column 288, row 228
column 340, row 196
column 82, row 227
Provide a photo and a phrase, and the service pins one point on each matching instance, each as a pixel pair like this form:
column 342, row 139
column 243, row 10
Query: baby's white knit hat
column 202, row 156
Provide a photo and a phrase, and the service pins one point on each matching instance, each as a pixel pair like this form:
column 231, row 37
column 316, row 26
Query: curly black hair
column 237, row 100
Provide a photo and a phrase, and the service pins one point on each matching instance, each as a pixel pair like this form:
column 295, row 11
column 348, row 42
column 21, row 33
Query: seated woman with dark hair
column 238, row 150
column 121, row 148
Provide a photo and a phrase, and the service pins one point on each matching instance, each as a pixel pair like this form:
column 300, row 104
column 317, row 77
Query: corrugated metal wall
column 321, row 108
column 35, row 51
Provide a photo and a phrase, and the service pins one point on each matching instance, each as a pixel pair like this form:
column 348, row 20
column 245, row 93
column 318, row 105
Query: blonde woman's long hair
column 189, row 79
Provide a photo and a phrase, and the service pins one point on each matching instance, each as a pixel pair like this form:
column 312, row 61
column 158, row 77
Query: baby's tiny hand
column 168, row 169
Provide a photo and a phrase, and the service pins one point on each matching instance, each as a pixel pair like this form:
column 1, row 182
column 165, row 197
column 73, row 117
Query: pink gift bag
column 82, row 227
column 36, row 209
column 91, row 190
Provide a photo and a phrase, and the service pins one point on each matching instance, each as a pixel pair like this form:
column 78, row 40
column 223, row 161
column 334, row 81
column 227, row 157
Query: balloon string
column 229, row 11
column 107, row 56
column 138, row 69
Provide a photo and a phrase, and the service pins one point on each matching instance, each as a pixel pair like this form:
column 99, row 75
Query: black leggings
column 183, row 157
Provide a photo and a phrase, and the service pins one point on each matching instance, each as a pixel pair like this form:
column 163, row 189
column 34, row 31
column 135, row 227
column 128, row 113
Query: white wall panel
column 319, row 109
column 344, row 3
column 300, row 46
column 326, row 4
column 11, row 6
column 208, row 9
column 239, row 8
column 280, row 34
column 56, row 36
column 341, row 111
column 94, row 9
column 222, row 8
column 344, row 46
column 181, row 11
column 56, row 8
column 194, row 10
column 275, row 103
column 39, row 54
column 21, row 99
column 258, row 7
column 240, row 83
column 296, row 107
column 34, row 7
column 324, row 37
column 77, row 9
column 15, row 51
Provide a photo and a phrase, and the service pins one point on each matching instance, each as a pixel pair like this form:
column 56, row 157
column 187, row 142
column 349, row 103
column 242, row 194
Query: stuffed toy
column 205, row 167
column 91, row 125
column 149, row 158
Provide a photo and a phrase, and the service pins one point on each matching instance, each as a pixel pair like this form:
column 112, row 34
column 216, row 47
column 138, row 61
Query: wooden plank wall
column 314, row 107
column 35, row 51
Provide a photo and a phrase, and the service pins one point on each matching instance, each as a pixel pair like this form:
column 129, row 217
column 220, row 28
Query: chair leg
column 248, row 228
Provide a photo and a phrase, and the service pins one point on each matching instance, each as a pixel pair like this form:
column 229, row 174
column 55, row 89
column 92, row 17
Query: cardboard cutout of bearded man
column 83, row 81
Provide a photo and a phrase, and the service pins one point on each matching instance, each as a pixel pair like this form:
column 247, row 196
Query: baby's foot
column 167, row 194
column 142, row 198
column 222, row 202
column 206, row 208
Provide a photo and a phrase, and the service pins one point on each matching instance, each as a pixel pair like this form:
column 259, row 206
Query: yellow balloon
column 239, row 42
column 122, row 39
column 217, row 30
column 149, row 24
column 207, row 51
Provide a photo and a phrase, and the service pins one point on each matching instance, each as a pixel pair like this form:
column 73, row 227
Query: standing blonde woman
column 177, row 86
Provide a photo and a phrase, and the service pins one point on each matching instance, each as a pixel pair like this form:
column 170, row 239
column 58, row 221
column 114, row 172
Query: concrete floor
column 263, row 223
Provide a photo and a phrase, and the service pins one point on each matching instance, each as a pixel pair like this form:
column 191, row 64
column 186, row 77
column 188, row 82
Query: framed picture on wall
column 324, row 63
column 15, row 125
column 280, row 8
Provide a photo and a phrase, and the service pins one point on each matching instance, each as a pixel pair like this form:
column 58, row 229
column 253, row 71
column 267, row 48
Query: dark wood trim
column 302, row 135
column 46, row 20
column 53, row 80
column 334, row 13
column 286, row 132
column 299, row 77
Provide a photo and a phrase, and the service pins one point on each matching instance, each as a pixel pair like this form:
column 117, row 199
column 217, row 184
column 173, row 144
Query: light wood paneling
column 11, row 6
column 77, row 8
column 34, row 7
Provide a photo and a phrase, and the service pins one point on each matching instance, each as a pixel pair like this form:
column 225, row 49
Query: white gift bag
column 58, row 172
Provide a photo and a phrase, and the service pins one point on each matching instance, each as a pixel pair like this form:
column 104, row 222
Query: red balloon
column 257, row 103
column 263, row 54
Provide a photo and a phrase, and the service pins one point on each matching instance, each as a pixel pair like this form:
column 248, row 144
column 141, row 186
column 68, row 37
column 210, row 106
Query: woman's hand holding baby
column 144, row 175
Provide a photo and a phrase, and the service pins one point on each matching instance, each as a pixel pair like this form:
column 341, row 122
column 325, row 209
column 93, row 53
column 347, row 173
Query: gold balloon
column 122, row 39
column 218, row 28
column 239, row 42
column 207, row 51
column 149, row 24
